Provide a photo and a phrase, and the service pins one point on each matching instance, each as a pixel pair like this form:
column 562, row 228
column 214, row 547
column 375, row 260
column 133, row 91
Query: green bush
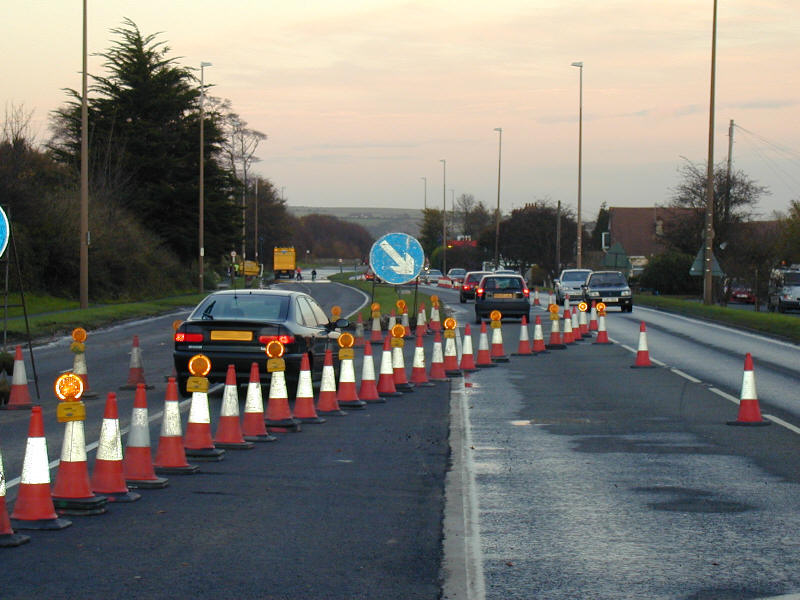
column 668, row 273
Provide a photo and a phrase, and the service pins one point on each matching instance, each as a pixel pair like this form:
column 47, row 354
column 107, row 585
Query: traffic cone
column 34, row 506
column 107, row 477
column 498, row 353
column 749, row 411
column 602, row 334
column 435, row 322
column 593, row 317
column 20, row 397
column 568, row 337
column 197, row 441
column 583, row 326
column 524, row 347
column 450, row 356
column 436, row 372
column 401, row 383
column 170, row 454
column 80, row 369
column 418, row 375
column 376, row 335
column 386, row 387
column 536, row 301
column 8, row 538
column 484, row 355
column 392, row 321
column 422, row 325
column 369, row 389
column 327, row 404
column 229, row 428
column 406, row 325
column 137, row 465
column 538, row 337
column 576, row 327
column 136, row 370
column 279, row 418
column 642, row 353
column 359, row 335
column 467, row 359
column 304, row 410
column 346, row 394
column 556, row 341
column 253, row 427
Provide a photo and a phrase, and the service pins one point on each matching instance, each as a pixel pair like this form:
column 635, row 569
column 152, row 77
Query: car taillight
column 466, row 286
column 283, row 339
column 526, row 292
column 479, row 291
column 189, row 338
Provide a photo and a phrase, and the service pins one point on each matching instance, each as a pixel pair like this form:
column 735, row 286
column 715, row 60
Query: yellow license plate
column 231, row 336
column 504, row 295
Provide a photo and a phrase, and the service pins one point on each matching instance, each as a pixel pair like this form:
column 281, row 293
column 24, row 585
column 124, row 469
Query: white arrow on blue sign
column 396, row 258
column 5, row 231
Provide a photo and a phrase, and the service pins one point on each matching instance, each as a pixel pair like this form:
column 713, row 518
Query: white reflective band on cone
column 437, row 353
column 277, row 385
column 328, row 383
column 254, row 402
column 198, row 411
column 73, row 448
column 347, row 373
column 35, row 466
column 110, row 445
column 139, row 435
column 230, row 402
column 397, row 358
column 386, row 363
column 368, row 369
column 171, row 425
column 419, row 358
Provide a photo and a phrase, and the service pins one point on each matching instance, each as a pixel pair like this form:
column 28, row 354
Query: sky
column 362, row 99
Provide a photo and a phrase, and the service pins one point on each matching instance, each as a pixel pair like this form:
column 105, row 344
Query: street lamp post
column 425, row 190
column 203, row 65
column 444, row 216
column 579, row 245
column 84, row 217
column 499, row 130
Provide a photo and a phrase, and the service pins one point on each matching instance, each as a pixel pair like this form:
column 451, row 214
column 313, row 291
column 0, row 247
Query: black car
column 609, row 287
column 507, row 293
column 471, row 281
column 233, row 327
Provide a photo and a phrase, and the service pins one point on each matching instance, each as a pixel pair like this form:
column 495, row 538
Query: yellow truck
column 284, row 262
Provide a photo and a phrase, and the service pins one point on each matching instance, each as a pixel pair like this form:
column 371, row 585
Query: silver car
column 569, row 284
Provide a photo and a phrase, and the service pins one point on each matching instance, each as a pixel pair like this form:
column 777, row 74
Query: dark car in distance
column 471, row 281
column 233, row 327
column 507, row 293
column 610, row 288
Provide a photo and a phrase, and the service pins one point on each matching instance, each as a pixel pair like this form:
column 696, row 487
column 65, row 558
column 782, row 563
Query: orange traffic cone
column 401, row 383
column 524, row 347
column 170, row 454
column 107, row 477
column 8, row 538
column 34, row 506
column 536, row 301
column 279, row 418
column 376, row 334
column 576, row 327
column 369, row 389
column 418, row 375
column 327, row 404
column 72, row 493
column 137, row 465
column 346, row 394
column 569, row 338
column 229, row 428
column 422, row 326
column 583, row 326
column 437, row 372
column 451, row 356
column 749, row 412
column 593, row 317
column 556, row 341
column 253, row 427
column 359, row 335
column 80, row 369
column 484, row 355
column 304, row 410
column 642, row 353
column 435, row 322
column 602, row 333
column 406, row 324
column 135, row 370
column 467, row 359
column 20, row 397
column 392, row 320
column 538, row 337
column 386, row 387
column 498, row 353
column 197, row 441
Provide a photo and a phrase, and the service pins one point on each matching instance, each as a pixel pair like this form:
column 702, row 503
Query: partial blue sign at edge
column 396, row 258
column 5, row 231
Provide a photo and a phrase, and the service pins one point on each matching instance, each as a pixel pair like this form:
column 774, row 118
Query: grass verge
column 384, row 294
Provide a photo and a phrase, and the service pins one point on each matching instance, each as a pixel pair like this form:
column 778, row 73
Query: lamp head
column 578, row 64
column 500, row 129
column 206, row 64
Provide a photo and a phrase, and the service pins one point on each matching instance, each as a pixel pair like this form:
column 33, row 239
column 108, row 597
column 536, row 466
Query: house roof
column 639, row 229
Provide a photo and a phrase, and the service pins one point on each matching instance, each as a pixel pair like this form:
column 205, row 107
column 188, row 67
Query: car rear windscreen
column 247, row 307
column 502, row 283
column 607, row 279
column 575, row 276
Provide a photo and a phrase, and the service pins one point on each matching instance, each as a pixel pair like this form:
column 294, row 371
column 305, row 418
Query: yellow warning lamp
column 176, row 324
column 275, row 349
column 435, row 301
column 495, row 315
column 69, row 389
column 336, row 311
column 398, row 331
column 449, row 327
column 376, row 310
column 583, row 307
column 553, row 309
column 601, row 308
column 199, row 365
column 346, row 342
column 401, row 305
column 79, row 334
column 375, row 306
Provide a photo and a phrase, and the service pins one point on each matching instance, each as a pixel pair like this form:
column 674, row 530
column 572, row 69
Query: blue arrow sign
column 396, row 258
column 5, row 231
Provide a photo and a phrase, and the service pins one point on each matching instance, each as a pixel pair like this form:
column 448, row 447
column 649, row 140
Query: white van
column 784, row 290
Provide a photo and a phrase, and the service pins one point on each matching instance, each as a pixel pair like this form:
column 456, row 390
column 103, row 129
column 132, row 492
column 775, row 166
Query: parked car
column 471, row 281
column 507, row 293
column 784, row 290
column 431, row 276
column 233, row 327
column 569, row 284
column 740, row 292
column 457, row 277
column 609, row 287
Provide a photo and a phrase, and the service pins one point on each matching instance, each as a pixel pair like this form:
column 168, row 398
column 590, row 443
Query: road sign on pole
column 396, row 258
column 5, row 231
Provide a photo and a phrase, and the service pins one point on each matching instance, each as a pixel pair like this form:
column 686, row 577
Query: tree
column 668, row 273
column 789, row 241
column 601, row 226
column 430, row 236
column 144, row 133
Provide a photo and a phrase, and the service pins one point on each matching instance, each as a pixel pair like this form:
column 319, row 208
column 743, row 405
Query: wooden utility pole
column 708, row 278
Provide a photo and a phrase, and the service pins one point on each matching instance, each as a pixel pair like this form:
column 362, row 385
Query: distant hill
column 377, row 221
